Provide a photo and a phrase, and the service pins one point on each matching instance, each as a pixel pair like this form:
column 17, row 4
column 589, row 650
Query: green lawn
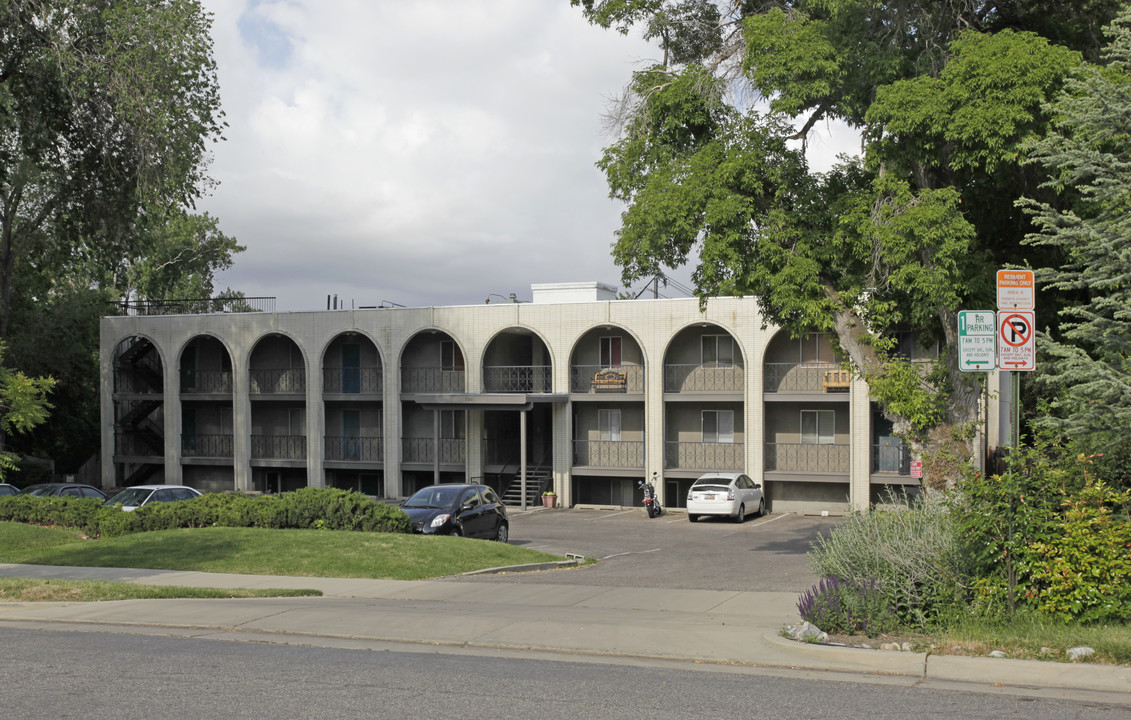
column 47, row 590
column 312, row 553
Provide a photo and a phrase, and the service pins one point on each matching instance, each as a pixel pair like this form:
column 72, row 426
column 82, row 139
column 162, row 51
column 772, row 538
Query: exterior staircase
column 538, row 478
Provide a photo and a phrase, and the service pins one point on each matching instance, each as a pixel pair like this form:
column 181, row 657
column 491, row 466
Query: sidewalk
column 726, row 628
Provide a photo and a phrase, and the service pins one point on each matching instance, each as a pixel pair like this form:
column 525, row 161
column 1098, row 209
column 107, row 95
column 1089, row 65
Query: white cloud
column 426, row 152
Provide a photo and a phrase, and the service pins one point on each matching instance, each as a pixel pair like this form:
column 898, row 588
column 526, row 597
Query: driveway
column 766, row 554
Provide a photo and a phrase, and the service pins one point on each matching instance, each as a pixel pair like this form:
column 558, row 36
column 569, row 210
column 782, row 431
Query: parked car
column 730, row 494
column 134, row 497
column 64, row 490
column 471, row 510
column 6, row 489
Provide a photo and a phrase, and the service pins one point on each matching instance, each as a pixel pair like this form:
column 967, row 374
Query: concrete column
column 315, row 424
column 654, row 415
column 241, row 421
column 106, row 406
column 172, row 421
column 860, row 438
column 474, row 452
column 391, row 407
column 755, row 423
column 563, row 453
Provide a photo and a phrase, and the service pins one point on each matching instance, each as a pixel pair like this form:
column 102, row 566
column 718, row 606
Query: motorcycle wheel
column 651, row 511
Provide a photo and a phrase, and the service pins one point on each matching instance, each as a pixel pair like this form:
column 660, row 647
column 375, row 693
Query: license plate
column 708, row 497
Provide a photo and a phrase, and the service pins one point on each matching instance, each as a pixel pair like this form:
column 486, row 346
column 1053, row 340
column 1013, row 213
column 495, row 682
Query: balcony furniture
column 836, row 380
column 609, row 380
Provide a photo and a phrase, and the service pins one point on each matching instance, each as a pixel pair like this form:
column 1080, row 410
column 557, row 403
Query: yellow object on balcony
column 837, row 380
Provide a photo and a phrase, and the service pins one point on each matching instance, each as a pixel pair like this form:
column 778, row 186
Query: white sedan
column 134, row 497
column 730, row 494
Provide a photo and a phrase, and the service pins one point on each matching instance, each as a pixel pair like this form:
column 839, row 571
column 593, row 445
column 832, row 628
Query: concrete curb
column 957, row 668
column 528, row 567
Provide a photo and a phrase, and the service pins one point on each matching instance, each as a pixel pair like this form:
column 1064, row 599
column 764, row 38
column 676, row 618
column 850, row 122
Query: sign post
column 1016, row 323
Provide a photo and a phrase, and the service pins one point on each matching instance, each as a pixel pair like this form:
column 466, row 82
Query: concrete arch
column 705, row 324
column 180, row 349
column 251, row 348
column 351, row 331
column 525, row 328
column 610, row 326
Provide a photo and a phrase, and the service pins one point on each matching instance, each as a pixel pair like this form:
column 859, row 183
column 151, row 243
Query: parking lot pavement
column 766, row 554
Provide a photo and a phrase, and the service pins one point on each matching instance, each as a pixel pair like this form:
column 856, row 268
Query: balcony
column 703, row 378
column 206, row 381
column 432, row 380
column 142, row 443
column 220, row 446
column 356, row 449
column 278, row 447
column 517, row 378
column 704, row 456
column 352, row 380
column 288, row 381
column 587, row 379
column 608, row 453
column 892, row 458
column 802, row 378
column 797, row 457
column 423, row 450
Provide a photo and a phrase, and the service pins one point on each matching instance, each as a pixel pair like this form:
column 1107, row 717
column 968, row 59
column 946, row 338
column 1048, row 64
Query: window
column 296, row 421
column 470, row 498
column 718, row 426
column 608, row 425
column 450, row 356
column 816, row 348
column 351, row 368
column 818, row 427
column 452, row 425
column 718, row 350
column 610, row 352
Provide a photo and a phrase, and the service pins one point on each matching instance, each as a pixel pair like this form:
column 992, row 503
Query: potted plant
column 549, row 498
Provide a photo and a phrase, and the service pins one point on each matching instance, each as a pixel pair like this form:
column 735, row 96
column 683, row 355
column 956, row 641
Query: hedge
column 307, row 508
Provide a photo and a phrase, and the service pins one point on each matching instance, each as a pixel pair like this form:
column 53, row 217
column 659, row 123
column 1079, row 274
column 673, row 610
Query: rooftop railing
column 195, row 306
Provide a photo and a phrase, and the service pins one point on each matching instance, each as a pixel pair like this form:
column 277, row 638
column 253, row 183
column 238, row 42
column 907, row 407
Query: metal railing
column 199, row 445
column 267, row 382
column 278, row 447
column 432, row 380
column 206, row 381
column 582, row 379
column 140, row 379
column 143, row 444
column 195, row 306
column 704, row 456
column 423, row 450
column 708, row 377
column 891, row 459
column 352, row 380
column 798, row 457
column 796, row 377
column 361, row 449
column 517, row 378
column 609, row 453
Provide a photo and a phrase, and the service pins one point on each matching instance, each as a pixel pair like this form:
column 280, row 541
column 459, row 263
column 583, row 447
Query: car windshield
column 710, row 488
column 434, row 497
column 130, row 497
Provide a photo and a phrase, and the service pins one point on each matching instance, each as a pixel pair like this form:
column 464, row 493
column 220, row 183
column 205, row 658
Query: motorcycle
column 651, row 500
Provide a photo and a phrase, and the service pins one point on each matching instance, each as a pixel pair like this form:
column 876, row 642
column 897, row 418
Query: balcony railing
column 517, row 378
column 196, row 306
column 797, row 377
column 278, row 447
column 206, row 381
column 707, row 377
column 142, row 444
column 141, row 379
column 207, row 446
column 797, row 457
column 891, row 459
column 608, row 453
column 360, row 449
column 352, row 380
column 584, row 379
column 432, row 380
column 423, row 450
column 704, row 456
column 266, row 382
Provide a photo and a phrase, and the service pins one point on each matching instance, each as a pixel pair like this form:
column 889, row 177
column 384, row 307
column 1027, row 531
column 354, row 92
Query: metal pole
column 436, row 447
column 522, row 455
column 1015, row 410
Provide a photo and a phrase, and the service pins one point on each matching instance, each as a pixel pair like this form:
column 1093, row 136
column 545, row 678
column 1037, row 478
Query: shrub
column 912, row 554
column 852, row 606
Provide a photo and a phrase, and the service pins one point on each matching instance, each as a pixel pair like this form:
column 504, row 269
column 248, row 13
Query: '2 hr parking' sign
column 1016, row 343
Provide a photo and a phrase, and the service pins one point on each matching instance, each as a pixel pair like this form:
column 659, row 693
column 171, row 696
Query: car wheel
column 741, row 517
column 457, row 532
column 503, row 533
column 691, row 517
column 761, row 506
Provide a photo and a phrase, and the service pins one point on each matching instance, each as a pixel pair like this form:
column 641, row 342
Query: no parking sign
column 1016, row 340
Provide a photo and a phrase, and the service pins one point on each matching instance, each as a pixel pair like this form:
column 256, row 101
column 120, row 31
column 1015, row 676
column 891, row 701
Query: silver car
column 134, row 497
column 730, row 494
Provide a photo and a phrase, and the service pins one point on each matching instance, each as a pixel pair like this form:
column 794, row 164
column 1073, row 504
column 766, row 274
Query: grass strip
column 256, row 551
column 47, row 590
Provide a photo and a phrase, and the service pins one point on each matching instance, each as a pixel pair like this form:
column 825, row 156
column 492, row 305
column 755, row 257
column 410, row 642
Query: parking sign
column 977, row 341
column 1016, row 342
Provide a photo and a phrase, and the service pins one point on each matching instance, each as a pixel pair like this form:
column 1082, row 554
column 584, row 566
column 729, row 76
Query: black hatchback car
column 64, row 490
column 470, row 510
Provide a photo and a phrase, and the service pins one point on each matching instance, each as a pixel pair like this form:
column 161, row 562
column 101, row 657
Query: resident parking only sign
column 1016, row 345
column 977, row 341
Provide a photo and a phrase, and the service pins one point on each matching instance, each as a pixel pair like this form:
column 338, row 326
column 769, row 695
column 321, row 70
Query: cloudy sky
column 431, row 152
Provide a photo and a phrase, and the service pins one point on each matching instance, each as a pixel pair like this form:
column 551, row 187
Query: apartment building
column 576, row 392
